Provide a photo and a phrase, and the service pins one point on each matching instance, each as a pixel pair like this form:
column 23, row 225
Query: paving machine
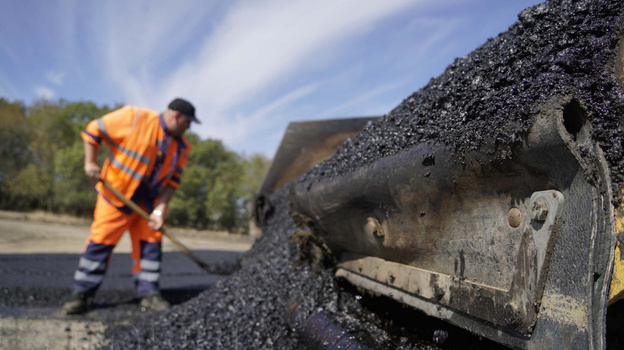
column 522, row 248
column 521, row 251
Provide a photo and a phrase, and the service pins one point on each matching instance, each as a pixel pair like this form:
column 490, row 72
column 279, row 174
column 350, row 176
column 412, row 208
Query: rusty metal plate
column 306, row 144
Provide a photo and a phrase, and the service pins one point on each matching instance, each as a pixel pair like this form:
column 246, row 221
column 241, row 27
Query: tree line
column 42, row 168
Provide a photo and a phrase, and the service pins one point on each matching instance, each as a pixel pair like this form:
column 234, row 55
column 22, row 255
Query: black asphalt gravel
column 249, row 310
column 31, row 282
column 485, row 102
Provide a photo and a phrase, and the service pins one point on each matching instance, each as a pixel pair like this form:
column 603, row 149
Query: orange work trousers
column 109, row 225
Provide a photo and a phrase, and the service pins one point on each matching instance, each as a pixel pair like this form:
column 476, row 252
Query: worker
column 148, row 152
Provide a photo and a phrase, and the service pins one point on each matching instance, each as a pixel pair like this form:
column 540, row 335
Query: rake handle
column 142, row 213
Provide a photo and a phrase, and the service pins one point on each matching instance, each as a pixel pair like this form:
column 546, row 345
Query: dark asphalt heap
column 483, row 102
column 249, row 310
column 486, row 100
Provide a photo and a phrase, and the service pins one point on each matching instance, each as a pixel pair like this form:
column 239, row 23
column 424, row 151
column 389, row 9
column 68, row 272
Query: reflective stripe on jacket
column 135, row 137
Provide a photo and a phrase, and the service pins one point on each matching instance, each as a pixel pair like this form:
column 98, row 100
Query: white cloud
column 55, row 78
column 259, row 121
column 44, row 92
column 259, row 45
column 7, row 87
column 249, row 66
column 440, row 30
column 260, row 42
column 134, row 38
column 362, row 98
column 239, row 60
column 245, row 57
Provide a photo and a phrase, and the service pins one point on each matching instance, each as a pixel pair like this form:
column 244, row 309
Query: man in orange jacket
column 148, row 152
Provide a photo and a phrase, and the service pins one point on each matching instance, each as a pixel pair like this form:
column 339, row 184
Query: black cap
column 184, row 107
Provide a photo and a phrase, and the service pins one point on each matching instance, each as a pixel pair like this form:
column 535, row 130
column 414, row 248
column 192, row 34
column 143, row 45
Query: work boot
column 154, row 302
column 76, row 304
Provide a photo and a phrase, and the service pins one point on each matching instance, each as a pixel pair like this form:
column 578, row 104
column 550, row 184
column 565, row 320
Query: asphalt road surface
column 38, row 256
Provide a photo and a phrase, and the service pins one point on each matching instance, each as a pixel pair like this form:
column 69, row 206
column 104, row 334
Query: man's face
column 181, row 123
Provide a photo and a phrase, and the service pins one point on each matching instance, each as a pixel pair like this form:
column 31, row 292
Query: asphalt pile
column 485, row 102
column 249, row 309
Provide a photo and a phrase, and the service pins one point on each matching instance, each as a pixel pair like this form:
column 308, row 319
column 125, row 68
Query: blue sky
column 249, row 67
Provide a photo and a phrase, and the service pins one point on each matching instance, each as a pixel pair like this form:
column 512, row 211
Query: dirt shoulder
column 40, row 232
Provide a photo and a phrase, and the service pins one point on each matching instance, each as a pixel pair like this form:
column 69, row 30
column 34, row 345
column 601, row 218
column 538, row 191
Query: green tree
column 224, row 203
column 190, row 204
column 73, row 191
column 255, row 167
column 55, row 126
column 30, row 188
column 15, row 154
column 46, row 127
column 210, row 193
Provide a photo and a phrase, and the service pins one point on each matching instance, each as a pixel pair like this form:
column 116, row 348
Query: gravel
column 249, row 309
column 487, row 100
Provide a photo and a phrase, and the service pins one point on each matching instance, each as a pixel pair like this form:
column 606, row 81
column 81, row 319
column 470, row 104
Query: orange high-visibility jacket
column 136, row 138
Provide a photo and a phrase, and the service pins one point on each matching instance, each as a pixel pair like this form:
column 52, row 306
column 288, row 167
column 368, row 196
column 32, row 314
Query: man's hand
column 157, row 217
column 157, row 220
column 91, row 167
column 93, row 171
